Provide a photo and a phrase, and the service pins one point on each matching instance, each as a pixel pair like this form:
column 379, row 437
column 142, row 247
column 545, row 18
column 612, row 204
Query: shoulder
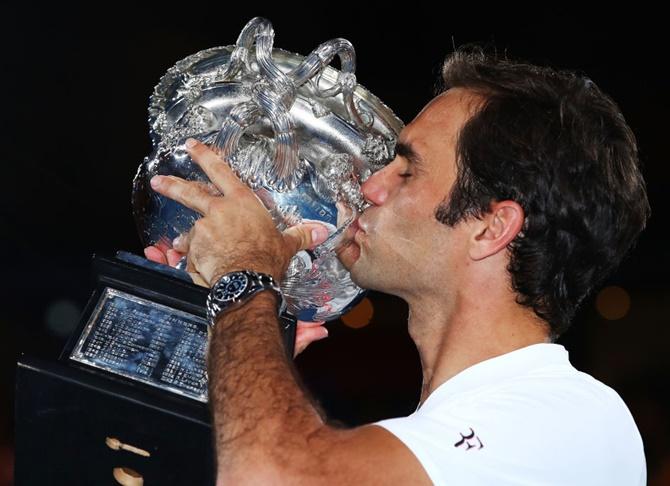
column 552, row 423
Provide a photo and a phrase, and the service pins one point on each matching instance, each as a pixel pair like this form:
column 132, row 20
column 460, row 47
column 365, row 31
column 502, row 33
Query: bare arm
column 267, row 428
column 255, row 397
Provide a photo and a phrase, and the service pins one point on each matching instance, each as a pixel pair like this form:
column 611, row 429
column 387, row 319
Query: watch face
column 235, row 285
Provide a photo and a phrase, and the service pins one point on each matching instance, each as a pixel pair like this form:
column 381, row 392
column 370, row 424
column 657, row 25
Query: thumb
column 198, row 280
column 304, row 236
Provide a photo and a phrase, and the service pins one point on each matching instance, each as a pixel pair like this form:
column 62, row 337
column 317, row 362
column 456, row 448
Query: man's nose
column 375, row 188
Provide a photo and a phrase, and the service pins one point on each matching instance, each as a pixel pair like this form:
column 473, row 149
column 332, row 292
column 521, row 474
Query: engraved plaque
column 147, row 342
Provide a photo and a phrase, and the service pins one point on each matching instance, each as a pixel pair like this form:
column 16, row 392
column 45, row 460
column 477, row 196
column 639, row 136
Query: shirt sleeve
column 515, row 439
column 437, row 446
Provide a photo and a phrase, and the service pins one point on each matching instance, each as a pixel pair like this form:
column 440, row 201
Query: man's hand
column 293, row 239
column 236, row 231
column 162, row 253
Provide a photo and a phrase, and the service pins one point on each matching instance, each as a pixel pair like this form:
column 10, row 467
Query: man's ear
column 496, row 229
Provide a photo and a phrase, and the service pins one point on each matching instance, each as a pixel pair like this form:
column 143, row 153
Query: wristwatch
column 235, row 288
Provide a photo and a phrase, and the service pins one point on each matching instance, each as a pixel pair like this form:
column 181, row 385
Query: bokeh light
column 61, row 317
column 359, row 316
column 613, row 303
column 6, row 464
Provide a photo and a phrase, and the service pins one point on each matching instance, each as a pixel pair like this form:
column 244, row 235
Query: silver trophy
column 300, row 133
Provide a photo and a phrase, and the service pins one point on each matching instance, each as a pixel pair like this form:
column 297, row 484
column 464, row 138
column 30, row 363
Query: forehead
column 433, row 132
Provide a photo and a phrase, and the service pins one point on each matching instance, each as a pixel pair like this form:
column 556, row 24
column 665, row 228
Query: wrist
column 262, row 303
column 257, row 267
column 235, row 289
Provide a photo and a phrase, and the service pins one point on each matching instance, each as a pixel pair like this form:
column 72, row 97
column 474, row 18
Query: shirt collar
column 493, row 370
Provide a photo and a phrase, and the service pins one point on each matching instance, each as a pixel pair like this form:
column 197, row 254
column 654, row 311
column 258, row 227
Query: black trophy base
column 128, row 395
column 66, row 417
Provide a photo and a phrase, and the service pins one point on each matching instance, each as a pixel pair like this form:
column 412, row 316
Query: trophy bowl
column 302, row 134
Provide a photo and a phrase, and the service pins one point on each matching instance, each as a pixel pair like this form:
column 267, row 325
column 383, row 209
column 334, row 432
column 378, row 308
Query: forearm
column 261, row 413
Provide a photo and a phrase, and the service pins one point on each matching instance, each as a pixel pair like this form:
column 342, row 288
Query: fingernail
column 156, row 181
column 325, row 333
column 191, row 142
column 319, row 235
column 176, row 241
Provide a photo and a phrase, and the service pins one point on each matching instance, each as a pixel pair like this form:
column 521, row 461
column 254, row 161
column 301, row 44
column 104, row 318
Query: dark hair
column 554, row 143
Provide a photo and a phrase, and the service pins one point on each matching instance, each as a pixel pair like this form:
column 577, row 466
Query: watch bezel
column 254, row 282
column 221, row 292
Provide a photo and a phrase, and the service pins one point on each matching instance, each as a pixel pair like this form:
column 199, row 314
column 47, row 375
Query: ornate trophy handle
column 273, row 95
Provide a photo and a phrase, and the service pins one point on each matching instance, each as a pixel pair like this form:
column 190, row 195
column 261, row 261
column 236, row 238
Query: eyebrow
column 406, row 150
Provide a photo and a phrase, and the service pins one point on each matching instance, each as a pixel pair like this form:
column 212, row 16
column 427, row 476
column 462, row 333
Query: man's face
column 403, row 248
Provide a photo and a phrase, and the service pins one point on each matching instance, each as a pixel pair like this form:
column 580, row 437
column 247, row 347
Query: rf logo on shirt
column 469, row 441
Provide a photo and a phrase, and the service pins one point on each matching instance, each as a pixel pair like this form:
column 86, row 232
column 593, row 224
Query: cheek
column 408, row 218
column 415, row 207
column 396, row 217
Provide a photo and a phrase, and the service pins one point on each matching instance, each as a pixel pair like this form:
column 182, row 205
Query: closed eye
column 407, row 152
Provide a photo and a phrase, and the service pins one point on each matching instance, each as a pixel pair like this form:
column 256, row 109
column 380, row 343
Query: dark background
column 77, row 83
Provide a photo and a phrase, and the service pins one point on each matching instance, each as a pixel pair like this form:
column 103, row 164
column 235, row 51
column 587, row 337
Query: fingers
column 169, row 256
column 190, row 194
column 155, row 255
column 163, row 244
column 304, row 236
column 173, row 257
column 198, row 280
column 181, row 243
column 196, row 195
column 307, row 333
column 218, row 171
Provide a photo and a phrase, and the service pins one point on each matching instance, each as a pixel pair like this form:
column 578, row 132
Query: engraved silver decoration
column 300, row 133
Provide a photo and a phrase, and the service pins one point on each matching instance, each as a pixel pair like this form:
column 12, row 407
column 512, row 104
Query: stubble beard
column 372, row 274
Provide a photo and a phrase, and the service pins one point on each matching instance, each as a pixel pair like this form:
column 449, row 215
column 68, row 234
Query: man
column 514, row 193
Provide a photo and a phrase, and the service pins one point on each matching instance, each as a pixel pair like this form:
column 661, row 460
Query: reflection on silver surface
column 148, row 342
column 299, row 132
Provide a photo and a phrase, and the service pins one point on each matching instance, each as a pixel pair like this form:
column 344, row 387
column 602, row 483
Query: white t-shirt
column 526, row 417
